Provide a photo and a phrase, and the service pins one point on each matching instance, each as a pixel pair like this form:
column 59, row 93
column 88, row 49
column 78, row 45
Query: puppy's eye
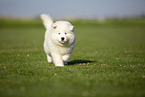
column 65, row 33
column 59, row 33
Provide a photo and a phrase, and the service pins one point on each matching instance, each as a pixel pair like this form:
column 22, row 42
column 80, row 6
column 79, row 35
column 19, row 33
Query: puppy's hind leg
column 49, row 59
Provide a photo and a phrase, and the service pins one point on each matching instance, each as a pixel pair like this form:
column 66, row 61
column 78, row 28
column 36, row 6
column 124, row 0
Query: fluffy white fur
column 59, row 40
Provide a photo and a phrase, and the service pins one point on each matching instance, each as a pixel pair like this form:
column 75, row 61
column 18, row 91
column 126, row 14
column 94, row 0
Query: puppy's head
column 63, row 33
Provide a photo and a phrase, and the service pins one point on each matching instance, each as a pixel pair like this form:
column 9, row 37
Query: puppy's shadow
column 73, row 62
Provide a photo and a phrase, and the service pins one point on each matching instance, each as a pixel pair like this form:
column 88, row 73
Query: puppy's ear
column 71, row 27
column 54, row 26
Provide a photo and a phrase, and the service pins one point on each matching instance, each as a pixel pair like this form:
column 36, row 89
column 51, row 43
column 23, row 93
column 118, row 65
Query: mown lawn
column 108, row 60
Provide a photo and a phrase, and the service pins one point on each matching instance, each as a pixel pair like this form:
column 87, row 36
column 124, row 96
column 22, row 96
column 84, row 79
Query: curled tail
column 47, row 20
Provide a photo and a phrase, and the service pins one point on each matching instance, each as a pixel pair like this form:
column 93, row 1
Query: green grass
column 108, row 60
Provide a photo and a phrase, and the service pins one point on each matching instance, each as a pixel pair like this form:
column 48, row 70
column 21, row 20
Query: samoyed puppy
column 59, row 40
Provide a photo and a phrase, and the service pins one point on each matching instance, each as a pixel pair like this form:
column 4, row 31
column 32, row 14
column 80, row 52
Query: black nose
column 62, row 38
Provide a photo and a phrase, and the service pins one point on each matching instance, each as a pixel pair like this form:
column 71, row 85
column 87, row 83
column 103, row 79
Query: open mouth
column 63, row 42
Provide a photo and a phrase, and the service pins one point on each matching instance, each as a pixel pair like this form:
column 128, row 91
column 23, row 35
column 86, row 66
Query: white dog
column 59, row 40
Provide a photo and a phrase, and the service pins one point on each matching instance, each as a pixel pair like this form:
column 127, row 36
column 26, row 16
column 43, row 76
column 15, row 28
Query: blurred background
column 72, row 8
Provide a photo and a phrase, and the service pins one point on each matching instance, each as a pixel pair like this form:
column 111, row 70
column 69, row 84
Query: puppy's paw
column 59, row 65
column 65, row 57
column 65, row 63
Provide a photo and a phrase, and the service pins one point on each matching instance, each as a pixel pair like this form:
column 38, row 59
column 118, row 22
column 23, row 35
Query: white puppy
column 59, row 40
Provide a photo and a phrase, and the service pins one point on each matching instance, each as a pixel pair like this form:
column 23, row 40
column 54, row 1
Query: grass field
column 108, row 60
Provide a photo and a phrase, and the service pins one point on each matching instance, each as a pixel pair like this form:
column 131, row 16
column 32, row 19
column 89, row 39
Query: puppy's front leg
column 57, row 60
column 65, row 58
